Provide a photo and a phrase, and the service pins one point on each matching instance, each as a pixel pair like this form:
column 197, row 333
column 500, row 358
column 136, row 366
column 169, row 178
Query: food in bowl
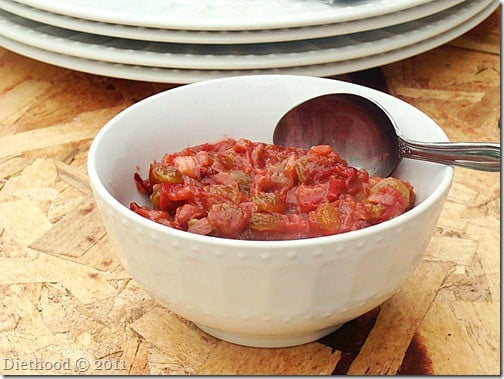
column 257, row 293
column 258, row 191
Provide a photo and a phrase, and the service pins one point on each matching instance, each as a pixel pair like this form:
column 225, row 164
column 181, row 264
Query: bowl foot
column 257, row 340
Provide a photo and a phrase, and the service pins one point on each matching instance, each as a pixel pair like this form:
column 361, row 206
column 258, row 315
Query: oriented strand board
column 308, row 359
column 66, row 298
column 399, row 318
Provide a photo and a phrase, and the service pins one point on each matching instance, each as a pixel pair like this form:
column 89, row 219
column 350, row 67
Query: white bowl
column 257, row 293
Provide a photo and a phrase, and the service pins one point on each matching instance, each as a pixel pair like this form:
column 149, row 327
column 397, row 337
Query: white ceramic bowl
column 257, row 293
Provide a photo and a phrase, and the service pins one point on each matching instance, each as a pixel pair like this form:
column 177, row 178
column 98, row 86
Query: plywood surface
column 66, row 299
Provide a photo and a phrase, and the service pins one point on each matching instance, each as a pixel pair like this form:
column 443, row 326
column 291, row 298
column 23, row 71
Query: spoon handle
column 476, row 155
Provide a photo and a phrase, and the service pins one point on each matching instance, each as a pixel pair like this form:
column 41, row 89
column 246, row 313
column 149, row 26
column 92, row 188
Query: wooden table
column 65, row 297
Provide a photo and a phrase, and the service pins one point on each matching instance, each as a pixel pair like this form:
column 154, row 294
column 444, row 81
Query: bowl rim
column 99, row 189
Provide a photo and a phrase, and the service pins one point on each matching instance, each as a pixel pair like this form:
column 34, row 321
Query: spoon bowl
column 363, row 133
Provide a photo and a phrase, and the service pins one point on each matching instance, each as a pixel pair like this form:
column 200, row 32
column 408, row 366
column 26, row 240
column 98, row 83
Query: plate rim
column 368, row 9
column 246, row 60
column 176, row 76
column 226, row 37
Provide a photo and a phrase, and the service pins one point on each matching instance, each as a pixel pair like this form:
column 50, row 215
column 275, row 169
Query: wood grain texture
column 65, row 295
column 309, row 359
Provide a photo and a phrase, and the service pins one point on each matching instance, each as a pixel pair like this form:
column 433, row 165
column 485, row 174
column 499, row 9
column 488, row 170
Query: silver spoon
column 364, row 134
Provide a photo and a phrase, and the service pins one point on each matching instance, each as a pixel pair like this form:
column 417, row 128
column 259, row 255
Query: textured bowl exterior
column 265, row 293
column 273, row 290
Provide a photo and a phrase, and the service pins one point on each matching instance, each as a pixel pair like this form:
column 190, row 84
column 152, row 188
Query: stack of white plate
column 183, row 41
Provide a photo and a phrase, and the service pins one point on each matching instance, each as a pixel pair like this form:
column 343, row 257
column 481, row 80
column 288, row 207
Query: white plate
column 226, row 37
column 234, row 57
column 223, row 14
column 188, row 76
